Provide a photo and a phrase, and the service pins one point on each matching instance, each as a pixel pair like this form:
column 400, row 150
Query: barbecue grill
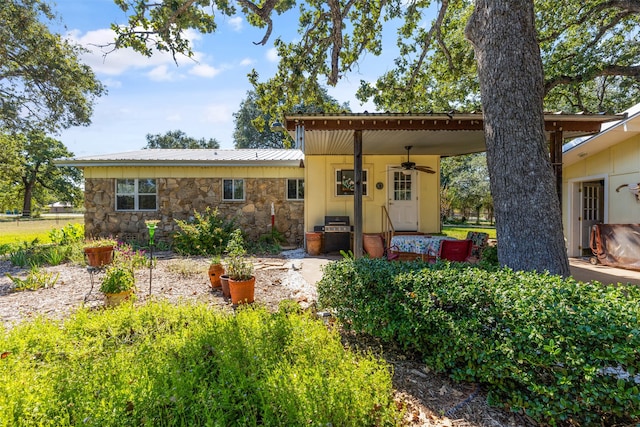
column 337, row 234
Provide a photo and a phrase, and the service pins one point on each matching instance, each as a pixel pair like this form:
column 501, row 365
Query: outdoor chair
column 455, row 250
column 480, row 241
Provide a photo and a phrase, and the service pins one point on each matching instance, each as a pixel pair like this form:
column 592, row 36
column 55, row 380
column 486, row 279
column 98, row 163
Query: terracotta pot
column 215, row 271
column 112, row 300
column 372, row 244
column 99, row 256
column 224, row 283
column 314, row 243
column 242, row 290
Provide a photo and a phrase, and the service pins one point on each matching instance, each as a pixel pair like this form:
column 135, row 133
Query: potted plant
column 99, row 252
column 215, row 271
column 239, row 268
column 117, row 284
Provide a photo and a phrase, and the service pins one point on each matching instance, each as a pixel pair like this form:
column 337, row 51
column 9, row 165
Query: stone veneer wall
column 178, row 198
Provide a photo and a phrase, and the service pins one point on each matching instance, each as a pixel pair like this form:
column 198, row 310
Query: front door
column 403, row 200
column 592, row 209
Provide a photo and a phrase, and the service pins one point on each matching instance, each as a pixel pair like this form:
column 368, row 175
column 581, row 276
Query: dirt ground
column 429, row 399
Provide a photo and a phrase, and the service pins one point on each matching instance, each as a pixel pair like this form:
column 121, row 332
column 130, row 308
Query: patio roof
column 444, row 134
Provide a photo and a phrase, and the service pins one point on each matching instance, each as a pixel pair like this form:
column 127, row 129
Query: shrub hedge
column 560, row 350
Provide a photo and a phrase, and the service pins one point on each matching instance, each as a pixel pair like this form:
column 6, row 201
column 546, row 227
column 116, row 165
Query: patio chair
column 455, row 250
column 480, row 241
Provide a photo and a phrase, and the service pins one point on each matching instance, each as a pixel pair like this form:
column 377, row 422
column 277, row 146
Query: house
column 379, row 171
column 601, row 176
column 60, row 207
column 385, row 150
column 122, row 190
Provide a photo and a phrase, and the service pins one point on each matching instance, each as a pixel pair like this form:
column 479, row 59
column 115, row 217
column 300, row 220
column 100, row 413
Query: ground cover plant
column 561, row 351
column 183, row 365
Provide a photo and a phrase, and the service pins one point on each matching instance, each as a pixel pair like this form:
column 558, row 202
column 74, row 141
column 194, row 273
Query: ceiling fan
column 409, row 165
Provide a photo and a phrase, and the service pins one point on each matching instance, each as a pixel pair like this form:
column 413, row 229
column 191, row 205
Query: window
column 295, row 189
column 345, row 183
column 136, row 194
column 233, row 189
column 402, row 186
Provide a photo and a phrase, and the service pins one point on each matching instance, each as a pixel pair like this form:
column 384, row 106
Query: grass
column 26, row 230
column 460, row 232
column 166, row 365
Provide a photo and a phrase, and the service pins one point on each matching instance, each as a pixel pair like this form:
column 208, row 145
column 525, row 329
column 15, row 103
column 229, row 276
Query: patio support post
column 555, row 149
column 357, row 194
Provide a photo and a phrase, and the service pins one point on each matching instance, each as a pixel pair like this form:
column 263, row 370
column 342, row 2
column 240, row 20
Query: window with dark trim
column 233, row 189
column 345, row 182
column 295, row 189
column 136, row 194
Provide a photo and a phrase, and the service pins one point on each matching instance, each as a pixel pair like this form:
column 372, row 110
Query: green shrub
column 70, row 233
column 560, row 350
column 207, row 234
column 188, row 365
column 269, row 243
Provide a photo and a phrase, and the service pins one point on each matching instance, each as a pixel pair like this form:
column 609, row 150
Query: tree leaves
column 43, row 84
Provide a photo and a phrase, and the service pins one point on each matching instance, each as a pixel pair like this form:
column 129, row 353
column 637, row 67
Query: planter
column 224, row 283
column 373, row 246
column 99, row 256
column 314, row 243
column 215, row 271
column 112, row 300
column 242, row 290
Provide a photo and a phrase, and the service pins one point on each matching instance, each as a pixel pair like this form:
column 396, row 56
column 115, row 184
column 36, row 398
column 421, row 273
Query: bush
column 207, row 234
column 70, row 233
column 188, row 365
column 560, row 350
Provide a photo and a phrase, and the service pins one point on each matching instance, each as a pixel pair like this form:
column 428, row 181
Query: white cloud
column 176, row 117
column 104, row 59
column 236, row 23
column 112, row 83
column 204, row 70
column 272, row 55
column 161, row 73
column 217, row 113
column 247, row 62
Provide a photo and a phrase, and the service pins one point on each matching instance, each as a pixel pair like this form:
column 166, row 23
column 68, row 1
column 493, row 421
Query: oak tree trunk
column 527, row 209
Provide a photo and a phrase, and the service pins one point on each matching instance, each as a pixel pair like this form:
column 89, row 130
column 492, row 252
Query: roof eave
column 173, row 163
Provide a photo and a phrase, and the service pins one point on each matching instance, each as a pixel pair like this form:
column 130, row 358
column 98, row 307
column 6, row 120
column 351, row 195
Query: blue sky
column 154, row 95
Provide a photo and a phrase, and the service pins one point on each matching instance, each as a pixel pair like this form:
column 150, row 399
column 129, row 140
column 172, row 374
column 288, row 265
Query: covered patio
column 442, row 135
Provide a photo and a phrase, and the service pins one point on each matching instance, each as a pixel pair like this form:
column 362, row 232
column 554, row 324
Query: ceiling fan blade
column 426, row 169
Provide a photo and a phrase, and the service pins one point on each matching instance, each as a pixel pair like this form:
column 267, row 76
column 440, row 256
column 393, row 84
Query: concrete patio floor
column 584, row 271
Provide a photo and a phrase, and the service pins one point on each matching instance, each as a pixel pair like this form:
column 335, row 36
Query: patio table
column 418, row 244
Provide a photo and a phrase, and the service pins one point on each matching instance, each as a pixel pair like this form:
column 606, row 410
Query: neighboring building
column 601, row 176
column 123, row 190
column 60, row 207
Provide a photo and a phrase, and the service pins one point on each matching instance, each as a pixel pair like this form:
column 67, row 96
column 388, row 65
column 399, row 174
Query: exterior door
column 403, row 200
column 592, row 209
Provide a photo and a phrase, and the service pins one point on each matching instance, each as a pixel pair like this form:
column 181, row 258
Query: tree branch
column 264, row 13
column 427, row 41
column 610, row 70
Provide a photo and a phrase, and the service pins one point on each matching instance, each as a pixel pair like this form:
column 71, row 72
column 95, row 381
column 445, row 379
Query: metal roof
column 444, row 134
column 612, row 134
column 191, row 157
